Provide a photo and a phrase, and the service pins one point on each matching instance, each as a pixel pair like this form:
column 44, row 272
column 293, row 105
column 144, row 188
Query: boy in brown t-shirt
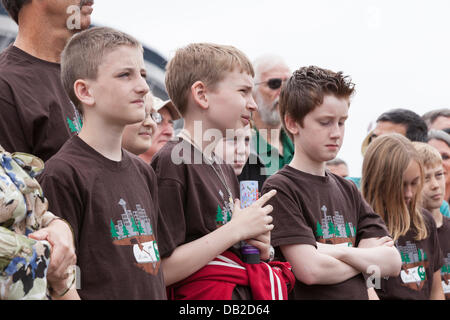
column 211, row 85
column 107, row 194
column 323, row 227
column 433, row 194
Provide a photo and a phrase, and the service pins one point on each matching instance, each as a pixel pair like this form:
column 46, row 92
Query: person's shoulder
column 343, row 182
column 429, row 219
column 69, row 159
column 280, row 179
column 140, row 164
column 12, row 63
column 165, row 153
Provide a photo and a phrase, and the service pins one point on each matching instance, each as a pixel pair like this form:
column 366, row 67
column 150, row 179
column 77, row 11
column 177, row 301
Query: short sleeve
column 290, row 226
column 63, row 199
column 12, row 137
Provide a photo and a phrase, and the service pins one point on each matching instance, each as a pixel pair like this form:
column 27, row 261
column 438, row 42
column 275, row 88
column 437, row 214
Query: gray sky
column 395, row 51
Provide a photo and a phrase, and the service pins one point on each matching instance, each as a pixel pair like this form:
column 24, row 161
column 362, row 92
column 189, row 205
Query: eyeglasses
column 157, row 117
column 273, row 84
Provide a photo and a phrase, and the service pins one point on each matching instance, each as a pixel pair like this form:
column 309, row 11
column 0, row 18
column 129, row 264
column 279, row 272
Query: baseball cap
column 158, row 104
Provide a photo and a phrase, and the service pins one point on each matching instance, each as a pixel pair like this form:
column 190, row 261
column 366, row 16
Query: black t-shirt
column 113, row 209
column 36, row 115
column 327, row 209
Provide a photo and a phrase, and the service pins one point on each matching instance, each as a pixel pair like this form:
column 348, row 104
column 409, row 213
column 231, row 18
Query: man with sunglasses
column 273, row 146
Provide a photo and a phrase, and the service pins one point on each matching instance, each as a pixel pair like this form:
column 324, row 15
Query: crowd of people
column 102, row 198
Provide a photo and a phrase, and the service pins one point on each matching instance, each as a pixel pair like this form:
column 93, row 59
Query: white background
column 397, row 52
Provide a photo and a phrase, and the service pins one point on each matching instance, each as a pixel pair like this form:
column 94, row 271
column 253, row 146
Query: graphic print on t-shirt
column 445, row 276
column 74, row 124
column 223, row 214
column 334, row 229
column 135, row 229
column 414, row 264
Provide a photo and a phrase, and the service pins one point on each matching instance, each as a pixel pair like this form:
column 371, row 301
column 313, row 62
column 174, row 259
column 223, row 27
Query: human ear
column 291, row 124
column 83, row 92
column 198, row 90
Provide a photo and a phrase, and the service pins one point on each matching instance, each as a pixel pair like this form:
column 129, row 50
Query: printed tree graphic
column 74, row 126
column 114, row 233
column 336, row 231
column 347, row 230
column 139, row 227
column 331, row 228
column 319, row 230
column 405, row 257
column 125, row 231
column 219, row 216
column 134, row 226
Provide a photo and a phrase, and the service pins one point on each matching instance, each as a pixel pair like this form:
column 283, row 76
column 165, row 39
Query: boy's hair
column 306, row 89
column 429, row 155
column 385, row 161
column 204, row 62
column 13, row 7
column 85, row 52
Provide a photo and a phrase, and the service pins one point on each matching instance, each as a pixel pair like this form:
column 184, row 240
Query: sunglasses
column 273, row 84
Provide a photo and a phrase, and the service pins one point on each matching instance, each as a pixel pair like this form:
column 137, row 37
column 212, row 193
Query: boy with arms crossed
column 211, row 85
column 323, row 227
column 107, row 194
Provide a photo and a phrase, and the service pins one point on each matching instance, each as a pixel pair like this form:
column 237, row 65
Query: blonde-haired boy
column 107, row 194
column 211, row 85
column 433, row 193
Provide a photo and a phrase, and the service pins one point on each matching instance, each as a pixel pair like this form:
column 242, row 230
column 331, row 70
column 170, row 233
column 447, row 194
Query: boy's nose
column 251, row 104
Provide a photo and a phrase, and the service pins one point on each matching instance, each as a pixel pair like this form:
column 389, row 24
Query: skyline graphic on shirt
column 224, row 213
column 414, row 264
column 135, row 229
column 334, row 229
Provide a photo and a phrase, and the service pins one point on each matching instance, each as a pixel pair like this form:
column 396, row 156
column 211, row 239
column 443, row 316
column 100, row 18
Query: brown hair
column 385, row 161
column 306, row 89
column 84, row 53
column 204, row 62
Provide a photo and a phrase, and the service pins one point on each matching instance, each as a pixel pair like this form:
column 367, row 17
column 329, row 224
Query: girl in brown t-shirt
column 392, row 182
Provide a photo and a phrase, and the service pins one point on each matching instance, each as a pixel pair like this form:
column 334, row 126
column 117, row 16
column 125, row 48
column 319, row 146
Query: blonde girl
column 391, row 183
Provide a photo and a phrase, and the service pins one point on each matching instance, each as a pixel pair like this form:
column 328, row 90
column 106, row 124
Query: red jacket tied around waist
column 217, row 280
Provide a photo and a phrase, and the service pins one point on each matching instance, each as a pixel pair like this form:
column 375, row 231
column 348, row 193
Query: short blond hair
column 206, row 62
column 84, row 53
column 429, row 156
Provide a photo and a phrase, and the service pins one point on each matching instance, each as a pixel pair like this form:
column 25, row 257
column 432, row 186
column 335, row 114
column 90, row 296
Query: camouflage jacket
column 23, row 210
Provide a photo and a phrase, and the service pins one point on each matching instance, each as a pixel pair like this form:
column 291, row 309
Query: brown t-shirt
column 444, row 241
column 112, row 208
column 326, row 209
column 193, row 199
column 36, row 115
column 420, row 260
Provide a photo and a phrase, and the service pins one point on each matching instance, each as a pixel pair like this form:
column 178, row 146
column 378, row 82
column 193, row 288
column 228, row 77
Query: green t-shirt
column 269, row 155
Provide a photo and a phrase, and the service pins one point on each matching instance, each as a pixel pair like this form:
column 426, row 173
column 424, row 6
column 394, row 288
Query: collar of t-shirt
column 101, row 159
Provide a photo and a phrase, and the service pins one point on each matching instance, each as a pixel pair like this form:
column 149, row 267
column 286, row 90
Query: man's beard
column 268, row 112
